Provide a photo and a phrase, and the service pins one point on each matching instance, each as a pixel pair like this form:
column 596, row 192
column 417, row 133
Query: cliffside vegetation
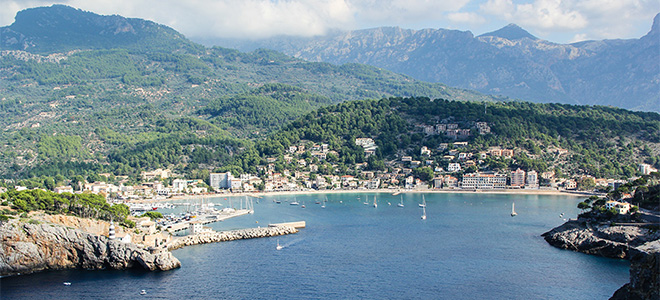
column 85, row 205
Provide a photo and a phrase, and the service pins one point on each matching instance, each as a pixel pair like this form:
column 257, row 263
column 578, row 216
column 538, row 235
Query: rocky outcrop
column 640, row 245
column 602, row 240
column 241, row 234
column 644, row 274
column 28, row 248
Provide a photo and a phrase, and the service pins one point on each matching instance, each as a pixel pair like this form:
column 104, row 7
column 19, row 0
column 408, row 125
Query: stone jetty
column 224, row 236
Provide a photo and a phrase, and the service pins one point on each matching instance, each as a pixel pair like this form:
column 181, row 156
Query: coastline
column 364, row 191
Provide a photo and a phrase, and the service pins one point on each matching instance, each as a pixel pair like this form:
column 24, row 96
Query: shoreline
column 364, row 191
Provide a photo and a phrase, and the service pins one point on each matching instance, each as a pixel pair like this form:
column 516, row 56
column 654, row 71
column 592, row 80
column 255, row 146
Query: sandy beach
column 390, row 191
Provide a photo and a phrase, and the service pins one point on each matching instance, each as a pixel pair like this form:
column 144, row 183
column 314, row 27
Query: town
column 307, row 167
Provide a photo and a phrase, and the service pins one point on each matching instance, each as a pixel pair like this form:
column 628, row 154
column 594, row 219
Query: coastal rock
column 640, row 245
column 602, row 240
column 224, row 236
column 644, row 274
column 28, row 248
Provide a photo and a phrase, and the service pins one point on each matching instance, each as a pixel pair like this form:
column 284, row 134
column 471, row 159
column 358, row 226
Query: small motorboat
column 143, row 292
column 67, row 283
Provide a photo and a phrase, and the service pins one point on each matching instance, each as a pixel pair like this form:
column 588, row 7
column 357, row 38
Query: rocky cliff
column 602, row 240
column 644, row 274
column 28, row 248
column 640, row 245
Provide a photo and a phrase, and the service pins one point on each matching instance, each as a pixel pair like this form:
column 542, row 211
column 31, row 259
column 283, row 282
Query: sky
column 560, row 21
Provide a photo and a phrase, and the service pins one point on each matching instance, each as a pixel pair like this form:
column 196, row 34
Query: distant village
column 398, row 174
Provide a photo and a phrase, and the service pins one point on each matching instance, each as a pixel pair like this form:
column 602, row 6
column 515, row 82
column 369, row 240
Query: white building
column 454, row 167
column 484, row 181
column 221, row 180
column 532, row 179
column 197, row 227
column 646, row 169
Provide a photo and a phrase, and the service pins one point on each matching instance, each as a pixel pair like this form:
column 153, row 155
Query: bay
column 469, row 247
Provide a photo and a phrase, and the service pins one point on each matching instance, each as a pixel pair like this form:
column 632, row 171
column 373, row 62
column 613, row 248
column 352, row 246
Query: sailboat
column 424, row 213
column 294, row 202
column 366, row 200
column 423, row 204
column 375, row 203
column 513, row 209
column 400, row 203
column 279, row 247
column 323, row 206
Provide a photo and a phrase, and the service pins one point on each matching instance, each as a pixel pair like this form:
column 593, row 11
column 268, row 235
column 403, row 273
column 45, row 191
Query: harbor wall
column 225, row 236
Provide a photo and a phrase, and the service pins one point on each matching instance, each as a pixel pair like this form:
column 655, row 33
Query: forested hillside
column 78, row 98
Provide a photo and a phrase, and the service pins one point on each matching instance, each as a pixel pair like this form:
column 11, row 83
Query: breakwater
column 232, row 235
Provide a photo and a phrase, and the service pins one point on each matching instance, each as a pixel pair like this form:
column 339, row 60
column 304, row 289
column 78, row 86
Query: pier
column 296, row 225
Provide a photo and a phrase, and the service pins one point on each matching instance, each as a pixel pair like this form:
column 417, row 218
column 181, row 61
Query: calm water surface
column 468, row 248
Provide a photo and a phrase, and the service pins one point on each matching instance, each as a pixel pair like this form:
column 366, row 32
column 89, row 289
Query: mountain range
column 509, row 62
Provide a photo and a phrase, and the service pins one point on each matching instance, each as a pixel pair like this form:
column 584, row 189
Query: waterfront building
column 484, row 181
column 221, row 180
column 532, row 179
column 518, row 178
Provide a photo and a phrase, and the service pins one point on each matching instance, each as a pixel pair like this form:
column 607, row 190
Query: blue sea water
column 468, row 248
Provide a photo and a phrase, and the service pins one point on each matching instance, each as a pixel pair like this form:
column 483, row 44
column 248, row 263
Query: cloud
column 556, row 20
column 261, row 18
column 585, row 19
column 542, row 14
column 466, row 17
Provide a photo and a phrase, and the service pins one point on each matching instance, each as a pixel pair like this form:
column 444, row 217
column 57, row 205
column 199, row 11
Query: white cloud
column 542, row 14
column 578, row 38
column 466, row 17
column 557, row 20
column 584, row 19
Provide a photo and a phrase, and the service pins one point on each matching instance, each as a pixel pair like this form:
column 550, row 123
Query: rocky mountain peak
column 511, row 32
column 655, row 28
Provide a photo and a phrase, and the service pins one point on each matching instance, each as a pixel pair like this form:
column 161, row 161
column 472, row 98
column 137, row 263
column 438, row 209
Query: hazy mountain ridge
column 61, row 28
column 509, row 62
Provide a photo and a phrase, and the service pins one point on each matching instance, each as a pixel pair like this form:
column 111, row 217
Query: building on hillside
column 620, row 207
column 484, row 181
column 646, row 169
column 454, row 167
column 158, row 173
column 532, row 180
column 518, row 178
column 63, row 189
column 507, row 152
column 425, row 151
